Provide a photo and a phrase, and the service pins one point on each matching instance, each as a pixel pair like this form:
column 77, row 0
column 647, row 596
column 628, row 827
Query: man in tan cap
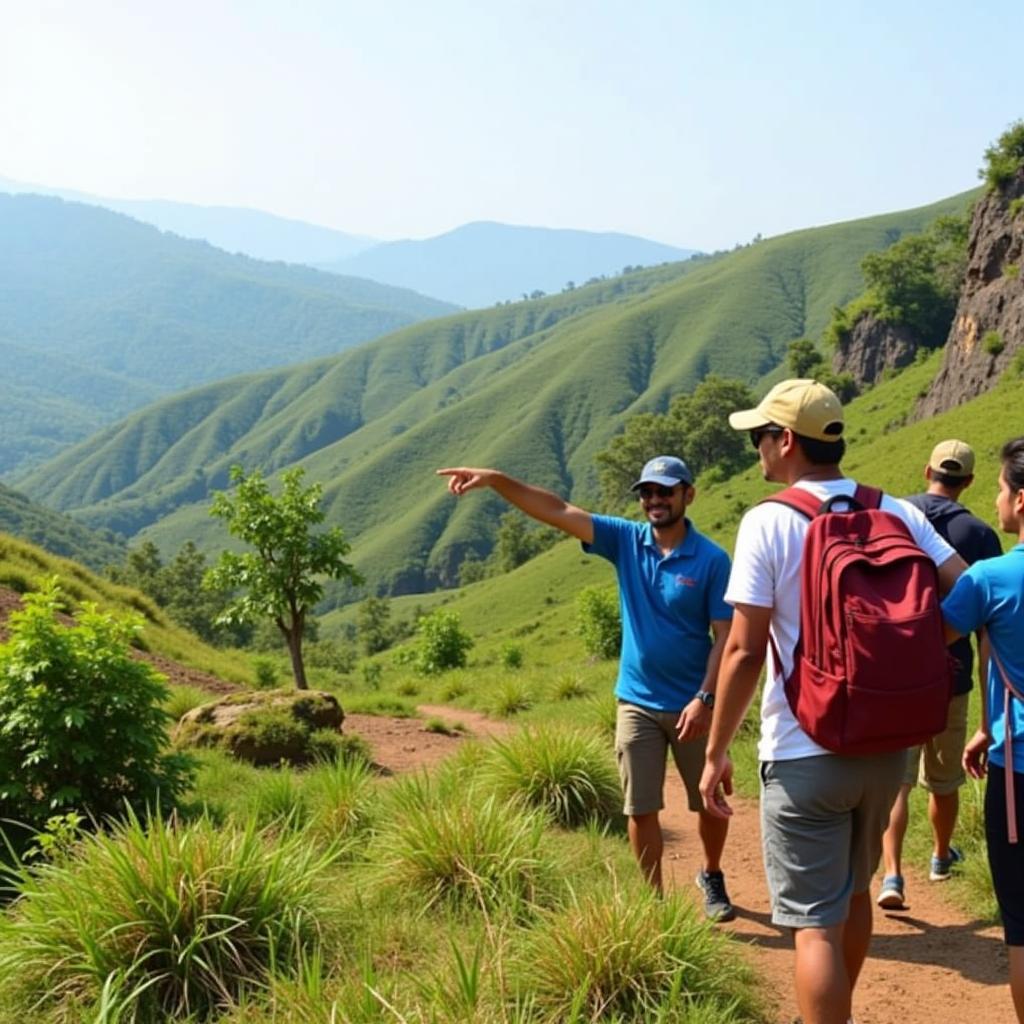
column 936, row 765
column 822, row 814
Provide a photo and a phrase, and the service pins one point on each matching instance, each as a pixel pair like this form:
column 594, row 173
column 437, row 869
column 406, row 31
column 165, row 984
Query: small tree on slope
column 281, row 578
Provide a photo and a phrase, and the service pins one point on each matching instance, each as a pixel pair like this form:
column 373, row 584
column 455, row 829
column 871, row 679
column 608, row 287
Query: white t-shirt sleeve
column 752, row 580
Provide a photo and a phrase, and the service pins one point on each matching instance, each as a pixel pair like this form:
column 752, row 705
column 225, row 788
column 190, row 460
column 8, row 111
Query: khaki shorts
column 939, row 769
column 643, row 738
column 822, row 820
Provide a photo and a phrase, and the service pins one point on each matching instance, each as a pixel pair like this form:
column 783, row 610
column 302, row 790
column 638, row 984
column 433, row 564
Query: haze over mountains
column 474, row 265
column 264, row 236
column 100, row 314
column 536, row 387
column 483, row 263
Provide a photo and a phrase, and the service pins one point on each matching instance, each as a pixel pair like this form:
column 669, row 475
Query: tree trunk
column 298, row 668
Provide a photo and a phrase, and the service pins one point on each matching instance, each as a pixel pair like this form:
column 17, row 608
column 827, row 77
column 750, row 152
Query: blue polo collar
column 685, row 550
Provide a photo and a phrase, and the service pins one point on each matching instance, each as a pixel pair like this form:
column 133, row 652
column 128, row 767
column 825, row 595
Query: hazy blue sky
column 698, row 124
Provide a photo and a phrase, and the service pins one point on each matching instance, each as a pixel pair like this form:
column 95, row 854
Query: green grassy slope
column 24, row 567
column 534, row 605
column 151, row 461
column 57, row 533
column 538, row 402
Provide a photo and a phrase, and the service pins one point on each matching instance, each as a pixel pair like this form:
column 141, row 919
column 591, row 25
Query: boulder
column 263, row 727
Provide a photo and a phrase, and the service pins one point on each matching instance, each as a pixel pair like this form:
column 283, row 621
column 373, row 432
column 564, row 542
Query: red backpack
column 870, row 671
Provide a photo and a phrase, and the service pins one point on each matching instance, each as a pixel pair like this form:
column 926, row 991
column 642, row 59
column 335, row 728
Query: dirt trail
column 928, row 965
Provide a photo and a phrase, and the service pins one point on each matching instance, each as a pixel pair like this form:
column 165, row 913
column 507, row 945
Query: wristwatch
column 707, row 699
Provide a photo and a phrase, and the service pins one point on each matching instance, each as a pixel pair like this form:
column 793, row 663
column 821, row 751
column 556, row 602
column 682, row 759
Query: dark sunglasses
column 649, row 491
column 758, row 435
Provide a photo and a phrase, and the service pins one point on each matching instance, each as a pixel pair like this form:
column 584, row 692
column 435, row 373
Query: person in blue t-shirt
column 990, row 594
column 675, row 620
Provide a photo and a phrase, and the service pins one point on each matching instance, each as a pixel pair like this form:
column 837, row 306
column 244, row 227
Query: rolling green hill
column 57, row 533
column 534, row 606
column 101, row 314
column 536, row 388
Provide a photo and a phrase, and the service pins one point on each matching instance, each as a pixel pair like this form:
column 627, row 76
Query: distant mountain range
column 474, row 265
column 264, row 236
column 483, row 263
column 535, row 387
column 100, row 314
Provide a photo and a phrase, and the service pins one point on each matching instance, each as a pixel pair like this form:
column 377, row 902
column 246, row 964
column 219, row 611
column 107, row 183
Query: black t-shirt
column 973, row 540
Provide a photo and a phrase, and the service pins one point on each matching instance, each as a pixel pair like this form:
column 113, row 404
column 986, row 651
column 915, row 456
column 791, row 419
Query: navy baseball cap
column 666, row 470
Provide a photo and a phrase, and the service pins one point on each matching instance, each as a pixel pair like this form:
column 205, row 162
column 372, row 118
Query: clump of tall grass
column 601, row 711
column 630, row 956
column 276, row 797
column 445, row 843
column 158, row 921
column 512, row 697
column 182, row 699
column 569, row 687
column 339, row 799
column 567, row 773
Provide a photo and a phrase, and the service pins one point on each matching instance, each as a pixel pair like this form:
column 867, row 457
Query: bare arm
column 738, row 673
column 695, row 718
column 949, row 572
column 536, row 502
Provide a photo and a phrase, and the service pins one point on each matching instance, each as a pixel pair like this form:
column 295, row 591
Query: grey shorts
column 822, row 820
column 643, row 738
column 935, row 765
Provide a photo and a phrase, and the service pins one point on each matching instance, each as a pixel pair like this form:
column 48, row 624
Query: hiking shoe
column 942, row 867
column 891, row 897
column 717, row 905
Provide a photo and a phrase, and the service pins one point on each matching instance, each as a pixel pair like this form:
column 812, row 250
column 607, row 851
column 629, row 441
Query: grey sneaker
column 891, row 897
column 942, row 867
column 717, row 905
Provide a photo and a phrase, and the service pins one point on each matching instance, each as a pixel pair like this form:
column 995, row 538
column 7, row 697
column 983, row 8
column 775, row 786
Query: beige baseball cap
column 805, row 406
column 954, row 458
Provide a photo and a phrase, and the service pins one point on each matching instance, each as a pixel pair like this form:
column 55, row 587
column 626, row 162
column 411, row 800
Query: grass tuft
column 569, row 774
column 449, row 845
column 629, row 956
column 158, row 921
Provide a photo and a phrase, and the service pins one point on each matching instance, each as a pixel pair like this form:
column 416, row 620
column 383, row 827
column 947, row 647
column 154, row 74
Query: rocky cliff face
column 873, row 346
column 988, row 328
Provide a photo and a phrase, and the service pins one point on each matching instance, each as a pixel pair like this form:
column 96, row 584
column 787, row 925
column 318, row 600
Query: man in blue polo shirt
column 675, row 620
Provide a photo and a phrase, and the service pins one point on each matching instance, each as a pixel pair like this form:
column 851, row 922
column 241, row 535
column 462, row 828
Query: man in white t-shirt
column 822, row 814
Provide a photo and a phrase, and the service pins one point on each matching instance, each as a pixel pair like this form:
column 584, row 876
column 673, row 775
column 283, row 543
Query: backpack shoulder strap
column 868, row 497
column 798, row 499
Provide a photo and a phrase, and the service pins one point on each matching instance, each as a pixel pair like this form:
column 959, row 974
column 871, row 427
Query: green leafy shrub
column 267, row 674
column 512, row 656
column 598, row 622
column 1012, row 271
column 569, row 774
column 1016, row 207
column 167, row 921
column 632, row 957
column 993, row 343
column 82, row 726
column 441, row 643
column 1004, row 157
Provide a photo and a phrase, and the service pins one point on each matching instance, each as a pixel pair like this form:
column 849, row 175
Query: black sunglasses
column 758, row 435
column 649, row 491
